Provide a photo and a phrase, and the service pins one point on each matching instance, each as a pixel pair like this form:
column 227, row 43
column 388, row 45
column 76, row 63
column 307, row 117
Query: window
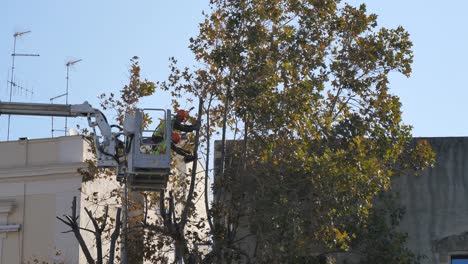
column 460, row 259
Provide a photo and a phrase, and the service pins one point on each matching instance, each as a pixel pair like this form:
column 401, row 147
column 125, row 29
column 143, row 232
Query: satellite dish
column 73, row 132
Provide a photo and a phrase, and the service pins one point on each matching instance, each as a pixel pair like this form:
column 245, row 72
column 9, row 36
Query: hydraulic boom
column 105, row 142
column 146, row 163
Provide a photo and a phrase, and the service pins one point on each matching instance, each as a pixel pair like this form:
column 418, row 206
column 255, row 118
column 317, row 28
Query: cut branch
column 115, row 236
column 72, row 222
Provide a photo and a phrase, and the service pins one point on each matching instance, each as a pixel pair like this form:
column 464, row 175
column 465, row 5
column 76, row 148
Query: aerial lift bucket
column 149, row 163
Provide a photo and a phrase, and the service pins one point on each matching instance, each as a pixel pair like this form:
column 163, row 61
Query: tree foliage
column 161, row 224
column 305, row 85
column 105, row 241
column 379, row 240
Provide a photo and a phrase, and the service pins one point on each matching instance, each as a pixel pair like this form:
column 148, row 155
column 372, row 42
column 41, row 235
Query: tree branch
column 97, row 235
column 189, row 203
column 114, row 236
column 74, row 225
column 207, row 164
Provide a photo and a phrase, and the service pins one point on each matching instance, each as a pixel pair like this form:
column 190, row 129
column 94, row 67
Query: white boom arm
column 105, row 149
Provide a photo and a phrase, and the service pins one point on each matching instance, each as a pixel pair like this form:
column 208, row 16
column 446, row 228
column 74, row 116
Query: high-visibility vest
column 161, row 147
column 160, row 130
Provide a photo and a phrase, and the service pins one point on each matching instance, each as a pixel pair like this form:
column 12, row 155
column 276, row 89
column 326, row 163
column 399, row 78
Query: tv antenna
column 52, row 118
column 68, row 64
column 12, row 81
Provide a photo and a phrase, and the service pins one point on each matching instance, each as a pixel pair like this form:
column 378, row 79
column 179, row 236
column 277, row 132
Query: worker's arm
column 188, row 156
column 185, row 128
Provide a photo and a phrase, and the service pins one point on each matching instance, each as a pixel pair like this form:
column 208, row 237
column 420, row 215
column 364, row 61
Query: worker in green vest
column 177, row 124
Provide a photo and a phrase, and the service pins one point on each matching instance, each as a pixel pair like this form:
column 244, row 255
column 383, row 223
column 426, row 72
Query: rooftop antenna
column 52, row 118
column 12, row 80
column 65, row 130
column 69, row 64
column 21, row 89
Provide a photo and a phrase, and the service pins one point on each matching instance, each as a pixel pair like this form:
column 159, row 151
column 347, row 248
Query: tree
column 99, row 224
column 121, row 104
column 306, row 86
column 379, row 240
column 175, row 227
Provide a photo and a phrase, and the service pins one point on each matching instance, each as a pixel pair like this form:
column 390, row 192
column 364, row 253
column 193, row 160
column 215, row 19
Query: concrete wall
column 436, row 202
column 38, row 179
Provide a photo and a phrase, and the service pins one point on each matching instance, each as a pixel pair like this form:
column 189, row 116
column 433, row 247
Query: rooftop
column 46, row 154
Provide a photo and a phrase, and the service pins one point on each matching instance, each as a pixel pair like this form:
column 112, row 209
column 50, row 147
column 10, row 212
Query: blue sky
column 435, row 96
column 106, row 34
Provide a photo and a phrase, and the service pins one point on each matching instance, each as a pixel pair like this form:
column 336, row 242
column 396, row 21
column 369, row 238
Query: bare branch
column 114, row 236
column 189, row 202
column 97, row 235
column 74, row 225
column 207, row 164
column 104, row 222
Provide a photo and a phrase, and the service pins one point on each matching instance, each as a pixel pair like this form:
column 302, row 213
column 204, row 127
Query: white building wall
column 39, row 179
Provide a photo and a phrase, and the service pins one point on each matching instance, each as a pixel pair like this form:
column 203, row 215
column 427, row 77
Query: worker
column 175, row 139
column 179, row 120
column 177, row 124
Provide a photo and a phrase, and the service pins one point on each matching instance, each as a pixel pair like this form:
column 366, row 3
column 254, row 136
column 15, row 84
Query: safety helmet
column 175, row 137
column 182, row 114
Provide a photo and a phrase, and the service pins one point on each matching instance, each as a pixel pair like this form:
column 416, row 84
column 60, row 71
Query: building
column 38, row 180
column 436, row 203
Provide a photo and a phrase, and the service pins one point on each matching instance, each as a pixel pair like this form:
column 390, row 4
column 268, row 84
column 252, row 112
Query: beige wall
column 39, row 178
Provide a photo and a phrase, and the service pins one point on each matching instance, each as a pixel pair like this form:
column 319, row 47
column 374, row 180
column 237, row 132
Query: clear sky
column 105, row 34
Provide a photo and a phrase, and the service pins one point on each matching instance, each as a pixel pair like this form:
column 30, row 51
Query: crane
column 130, row 157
